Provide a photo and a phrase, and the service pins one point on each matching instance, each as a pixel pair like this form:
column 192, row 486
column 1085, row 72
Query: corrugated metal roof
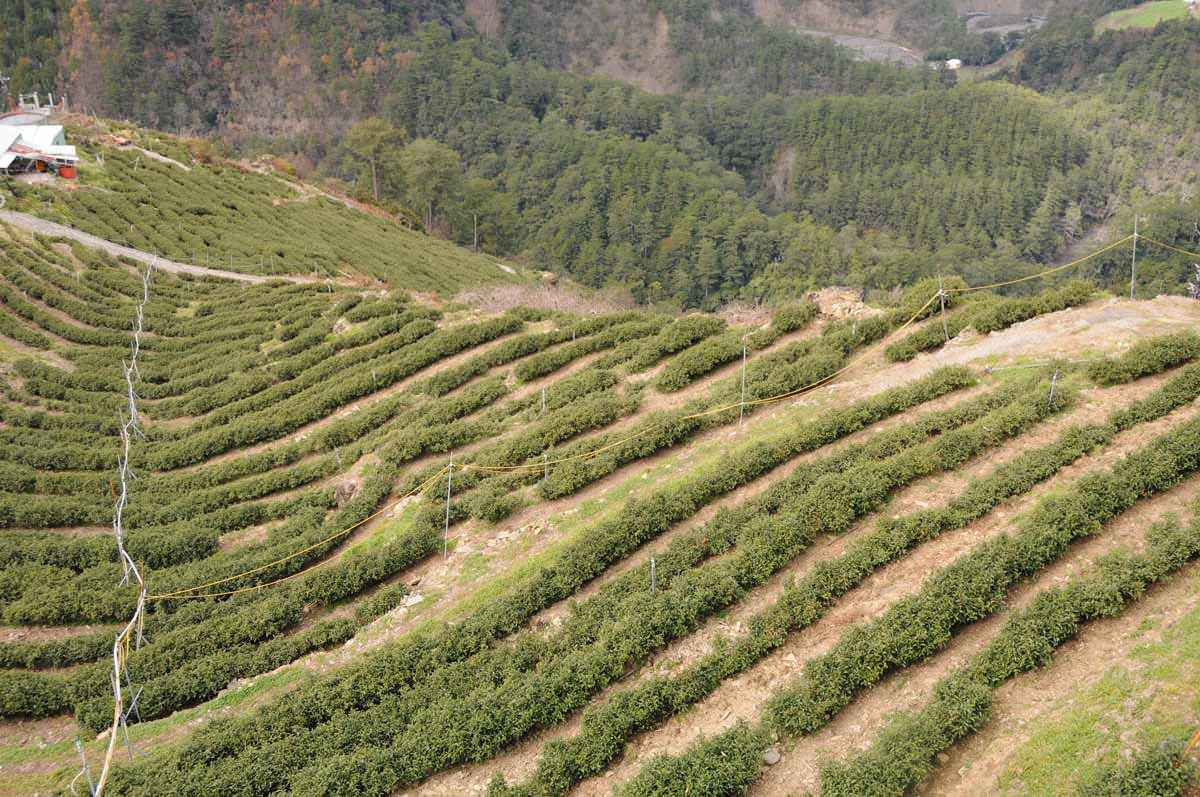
column 32, row 141
column 8, row 136
column 42, row 136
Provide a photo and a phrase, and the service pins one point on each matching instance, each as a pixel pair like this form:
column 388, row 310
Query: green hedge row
column 31, row 694
column 690, row 364
column 443, row 722
column 1148, row 356
column 989, row 315
column 12, row 327
column 974, row 586
column 907, row 749
column 640, row 521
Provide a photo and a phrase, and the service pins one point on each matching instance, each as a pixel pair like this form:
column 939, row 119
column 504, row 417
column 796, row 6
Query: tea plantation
column 393, row 545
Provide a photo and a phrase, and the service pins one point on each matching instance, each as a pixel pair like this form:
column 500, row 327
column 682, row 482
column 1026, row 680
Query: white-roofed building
column 34, row 147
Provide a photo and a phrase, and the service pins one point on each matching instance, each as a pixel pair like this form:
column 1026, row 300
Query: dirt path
column 36, row 225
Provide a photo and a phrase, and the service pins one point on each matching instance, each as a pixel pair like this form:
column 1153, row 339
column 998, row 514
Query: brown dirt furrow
column 42, row 633
column 856, row 726
column 743, row 697
column 973, row 766
column 370, row 400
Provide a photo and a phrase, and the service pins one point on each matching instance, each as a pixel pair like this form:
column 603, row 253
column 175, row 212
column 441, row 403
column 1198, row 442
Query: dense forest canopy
column 775, row 163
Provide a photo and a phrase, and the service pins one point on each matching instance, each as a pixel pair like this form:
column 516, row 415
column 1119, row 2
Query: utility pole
column 1133, row 264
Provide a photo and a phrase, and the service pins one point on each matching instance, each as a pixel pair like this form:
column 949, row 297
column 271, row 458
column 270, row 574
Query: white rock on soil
column 772, row 757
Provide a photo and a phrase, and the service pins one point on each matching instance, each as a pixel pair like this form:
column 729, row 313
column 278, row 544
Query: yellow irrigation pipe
column 183, row 593
column 1168, row 246
column 1041, row 274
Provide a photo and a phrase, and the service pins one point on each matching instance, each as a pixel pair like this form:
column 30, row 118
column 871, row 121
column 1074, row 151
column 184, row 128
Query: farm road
column 44, row 227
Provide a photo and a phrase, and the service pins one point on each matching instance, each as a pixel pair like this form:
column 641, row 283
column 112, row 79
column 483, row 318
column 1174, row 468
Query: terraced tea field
column 153, row 195
column 391, row 545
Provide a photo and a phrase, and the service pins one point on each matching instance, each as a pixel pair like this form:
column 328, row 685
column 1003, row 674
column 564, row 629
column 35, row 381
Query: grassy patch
column 1147, row 15
column 1153, row 696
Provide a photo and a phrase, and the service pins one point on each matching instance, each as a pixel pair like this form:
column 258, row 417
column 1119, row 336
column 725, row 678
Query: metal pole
column 942, row 298
column 1133, row 264
column 87, row 773
column 653, row 574
column 545, row 467
column 742, row 409
column 446, row 531
column 543, row 399
column 1053, row 384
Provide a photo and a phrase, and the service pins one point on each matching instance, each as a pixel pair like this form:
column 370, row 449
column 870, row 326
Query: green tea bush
column 1149, row 356
column 906, row 751
column 988, row 315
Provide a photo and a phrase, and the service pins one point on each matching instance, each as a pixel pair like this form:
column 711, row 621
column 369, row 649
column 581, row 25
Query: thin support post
column 653, row 574
column 545, row 467
column 543, row 399
column 87, row 772
column 1133, row 263
column 1053, row 385
column 942, row 299
column 446, row 529
column 742, row 407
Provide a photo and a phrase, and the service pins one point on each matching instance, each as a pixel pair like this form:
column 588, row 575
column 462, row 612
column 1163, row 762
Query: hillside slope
column 154, row 195
column 365, row 521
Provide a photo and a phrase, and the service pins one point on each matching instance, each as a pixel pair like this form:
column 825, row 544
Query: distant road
column 34, row 224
